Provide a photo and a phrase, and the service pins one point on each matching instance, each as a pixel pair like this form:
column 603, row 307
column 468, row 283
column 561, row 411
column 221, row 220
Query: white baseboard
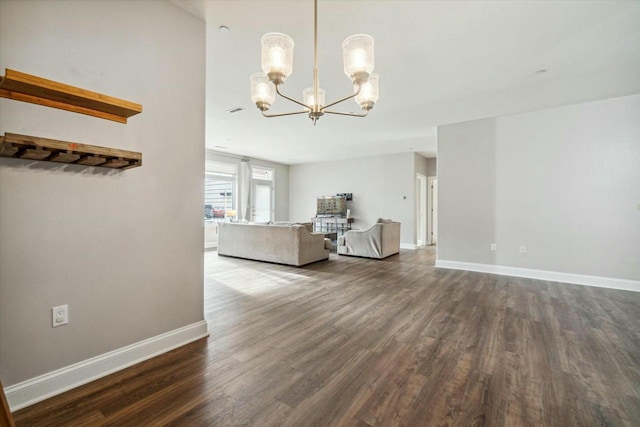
column 554, row 276
column 408, row 246
column 53, row 383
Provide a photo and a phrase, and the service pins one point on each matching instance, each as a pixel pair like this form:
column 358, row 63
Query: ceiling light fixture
column 277, row 65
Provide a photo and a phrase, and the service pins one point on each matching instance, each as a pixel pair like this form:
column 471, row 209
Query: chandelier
column 277, row 65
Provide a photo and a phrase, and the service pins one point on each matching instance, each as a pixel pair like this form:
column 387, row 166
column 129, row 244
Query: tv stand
column 331, row 225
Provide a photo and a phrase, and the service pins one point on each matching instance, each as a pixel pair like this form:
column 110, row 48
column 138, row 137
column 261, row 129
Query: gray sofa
column 379, row 241
column 290, row 244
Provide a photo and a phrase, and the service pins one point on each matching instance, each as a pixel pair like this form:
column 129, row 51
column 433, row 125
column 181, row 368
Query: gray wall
column 122, row 249
column 466, row 192
column 379, row 185
column 281, row 180
column 432, row 167
column 426, row 166
column 421, row 165
column 565, row 182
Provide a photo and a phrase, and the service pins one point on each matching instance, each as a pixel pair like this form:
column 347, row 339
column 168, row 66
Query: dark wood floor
column 363, row 342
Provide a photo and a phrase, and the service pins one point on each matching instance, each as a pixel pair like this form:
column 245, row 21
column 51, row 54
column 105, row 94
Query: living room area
column 377, row 187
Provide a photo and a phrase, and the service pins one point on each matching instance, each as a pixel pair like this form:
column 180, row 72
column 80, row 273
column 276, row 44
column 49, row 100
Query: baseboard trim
column 53, row 383
column 408, row 246
column 554, row 276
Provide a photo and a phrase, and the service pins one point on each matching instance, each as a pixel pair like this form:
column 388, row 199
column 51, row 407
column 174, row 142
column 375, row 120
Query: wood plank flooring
column 396, row 342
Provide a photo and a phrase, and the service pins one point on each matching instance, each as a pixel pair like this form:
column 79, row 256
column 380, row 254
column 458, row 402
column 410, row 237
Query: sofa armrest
column 327, row 243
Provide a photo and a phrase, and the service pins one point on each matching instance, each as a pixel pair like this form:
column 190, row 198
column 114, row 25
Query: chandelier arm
column 291, row 99
column 340, row 100
column 346, row 114
column 284, row 114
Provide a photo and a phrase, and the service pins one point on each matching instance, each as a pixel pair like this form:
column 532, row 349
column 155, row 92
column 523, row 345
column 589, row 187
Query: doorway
column 262, row 190
column 432, row 212
column 262, row 202
column 421, row 209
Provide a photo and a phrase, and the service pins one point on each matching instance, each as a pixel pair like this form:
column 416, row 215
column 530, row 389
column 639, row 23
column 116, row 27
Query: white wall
column 382, row 186
column 122, row 249
column 281, row 196
column 564, row 182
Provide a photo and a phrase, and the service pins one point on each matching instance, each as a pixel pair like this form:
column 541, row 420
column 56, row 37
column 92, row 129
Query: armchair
column 379, row 241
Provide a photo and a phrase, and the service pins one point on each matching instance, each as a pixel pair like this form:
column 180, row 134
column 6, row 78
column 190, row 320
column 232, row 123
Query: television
column 331, row 206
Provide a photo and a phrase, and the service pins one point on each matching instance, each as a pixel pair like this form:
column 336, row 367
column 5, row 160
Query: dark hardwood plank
column 394, row 342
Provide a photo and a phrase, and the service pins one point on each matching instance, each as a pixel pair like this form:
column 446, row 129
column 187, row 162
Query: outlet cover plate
column 60, row 315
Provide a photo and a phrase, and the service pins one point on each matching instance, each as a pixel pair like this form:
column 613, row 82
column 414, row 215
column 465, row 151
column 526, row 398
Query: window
column 262, row 174
column 219, row 192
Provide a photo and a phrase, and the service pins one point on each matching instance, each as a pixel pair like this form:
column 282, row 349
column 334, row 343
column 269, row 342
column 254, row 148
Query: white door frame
column 421, row 209
column 432, row 209
column 266, row 182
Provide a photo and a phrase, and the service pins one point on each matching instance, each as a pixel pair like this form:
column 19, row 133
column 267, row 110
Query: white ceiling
column 439, row 62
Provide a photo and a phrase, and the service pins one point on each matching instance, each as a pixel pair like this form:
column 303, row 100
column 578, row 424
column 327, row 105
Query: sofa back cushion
column 384, row 221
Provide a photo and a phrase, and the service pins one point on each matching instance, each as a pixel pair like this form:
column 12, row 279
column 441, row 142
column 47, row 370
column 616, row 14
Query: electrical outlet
column 60, row 315
column 494, row 247
column 523, row 249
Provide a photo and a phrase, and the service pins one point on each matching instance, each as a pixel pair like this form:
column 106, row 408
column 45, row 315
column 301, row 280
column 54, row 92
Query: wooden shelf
column 51, row 150
column 36, row 90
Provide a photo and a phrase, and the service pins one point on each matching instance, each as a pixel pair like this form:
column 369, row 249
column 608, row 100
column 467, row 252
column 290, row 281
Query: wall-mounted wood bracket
column 51, row 150
column 36, row 90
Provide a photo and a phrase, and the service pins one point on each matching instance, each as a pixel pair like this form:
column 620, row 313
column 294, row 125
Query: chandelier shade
column 263, row 92
column 369, row 93
column 357, row 54
column 277, row 56
column 308, row 97
column 277, row 66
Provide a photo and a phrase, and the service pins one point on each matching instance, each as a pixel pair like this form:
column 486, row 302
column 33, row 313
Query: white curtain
column 245, row 188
